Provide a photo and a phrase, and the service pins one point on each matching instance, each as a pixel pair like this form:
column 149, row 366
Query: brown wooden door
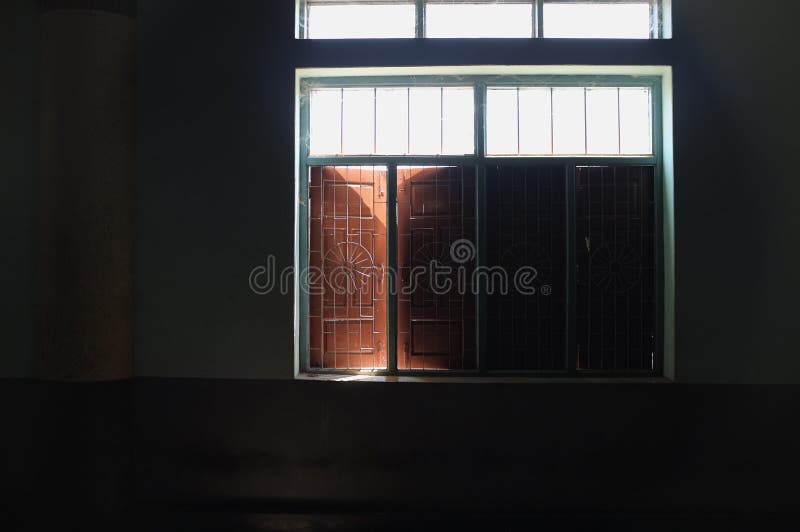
column 347, row 244
column 435, row 324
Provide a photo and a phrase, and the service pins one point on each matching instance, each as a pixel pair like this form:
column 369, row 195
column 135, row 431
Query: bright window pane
column 501, row 122
column 358, row 121
column 602, row 121
column 425, row 119
column 479, row 20
column 325, row 121
column 597, row 20
column 636, row 130
column 458, row 121
column 392, row 121
column 364, row 21
column 534, row 121
column 569, row 131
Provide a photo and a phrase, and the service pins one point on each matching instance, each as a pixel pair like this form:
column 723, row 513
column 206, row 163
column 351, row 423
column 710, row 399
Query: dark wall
column 226, row 448
column 16, row 199
column 215, row 178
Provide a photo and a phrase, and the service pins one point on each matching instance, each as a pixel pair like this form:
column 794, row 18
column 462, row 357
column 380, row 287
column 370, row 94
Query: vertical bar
column 420, row 27
column 552, row 125
column 480, row 221
column 571, row 263
column 303, row 237
column 655, row 19
column 393, row 271
column 660, row 239
column 341, row 120
column 302, row 19
column 519, row 118
column 619, row 122
column 539, row 18
column 585, row 122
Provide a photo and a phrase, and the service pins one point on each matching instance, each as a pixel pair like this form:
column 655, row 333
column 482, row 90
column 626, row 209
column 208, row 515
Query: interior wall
column 215, row 179
column 16, row 199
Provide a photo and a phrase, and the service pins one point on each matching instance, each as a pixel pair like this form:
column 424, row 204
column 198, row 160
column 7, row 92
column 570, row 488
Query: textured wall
column 86, row 147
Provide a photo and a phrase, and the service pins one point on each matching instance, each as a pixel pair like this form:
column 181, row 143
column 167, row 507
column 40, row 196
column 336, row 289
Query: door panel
column 616, row 274
column 347, row 244
column 436, row 312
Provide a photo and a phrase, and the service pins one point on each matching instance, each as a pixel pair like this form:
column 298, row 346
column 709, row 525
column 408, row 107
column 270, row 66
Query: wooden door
column 347, row 244
column 436, row 231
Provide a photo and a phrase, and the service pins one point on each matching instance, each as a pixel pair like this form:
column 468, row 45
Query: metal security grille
column 347, row 259
column 436, row 231
column 526, row 228
column 616, row 257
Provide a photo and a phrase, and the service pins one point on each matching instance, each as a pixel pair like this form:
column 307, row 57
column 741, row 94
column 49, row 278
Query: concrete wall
column 215, row 179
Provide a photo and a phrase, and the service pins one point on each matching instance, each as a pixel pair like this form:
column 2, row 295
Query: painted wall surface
column 16, row 175
column 215, row 178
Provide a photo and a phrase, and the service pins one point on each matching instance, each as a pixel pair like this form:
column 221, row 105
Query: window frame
column 481, row 161
column 660, row 11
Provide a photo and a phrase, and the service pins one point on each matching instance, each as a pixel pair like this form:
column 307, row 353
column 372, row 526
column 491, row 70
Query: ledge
column 490, row 379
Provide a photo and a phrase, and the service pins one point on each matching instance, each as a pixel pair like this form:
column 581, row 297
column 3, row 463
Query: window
column 475, row 20
column 360, row 20
column 392, row 121
column 480, row 225
column 569, row 121
column 355, row 19
column 613, row 20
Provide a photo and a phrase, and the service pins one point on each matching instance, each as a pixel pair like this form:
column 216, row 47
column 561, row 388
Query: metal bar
column 480, row 221
column 302, row 239
column 539, row 9
column 524, row 160
column 392, row 273
column 420, row 25
column 558, row 80
column 571, row 272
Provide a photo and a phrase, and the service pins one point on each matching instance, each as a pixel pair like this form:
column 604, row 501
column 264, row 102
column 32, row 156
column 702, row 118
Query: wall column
column 86, row 152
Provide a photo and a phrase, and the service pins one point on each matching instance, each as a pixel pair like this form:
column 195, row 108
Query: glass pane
column 477, row 20
column 602, row 121
column 636, row 131
column 392, row 121
column 326, row 121
column 458, row 121
column 358, row 121
column 569, row 127
column 597, row 20
column 425, row 118
column 365, row 21
column 501, row 122
column 535, row 134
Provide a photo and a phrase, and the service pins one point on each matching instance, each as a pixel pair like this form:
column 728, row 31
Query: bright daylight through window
column 359, row 19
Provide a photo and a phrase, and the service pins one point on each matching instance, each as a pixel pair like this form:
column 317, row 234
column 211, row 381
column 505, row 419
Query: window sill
column 329, row 377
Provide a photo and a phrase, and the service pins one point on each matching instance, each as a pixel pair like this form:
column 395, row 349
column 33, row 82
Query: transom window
column 356, row 19
column 474, row 225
